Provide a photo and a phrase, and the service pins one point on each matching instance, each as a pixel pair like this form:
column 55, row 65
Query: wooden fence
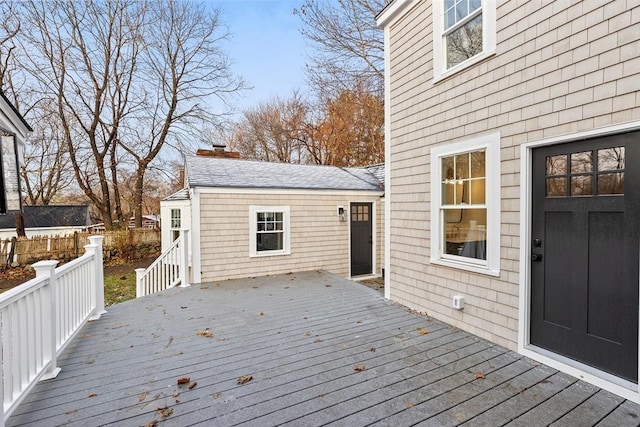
column 22, row 251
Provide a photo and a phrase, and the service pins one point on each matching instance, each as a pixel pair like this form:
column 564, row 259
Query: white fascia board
column 285, row 191
column 392, row 12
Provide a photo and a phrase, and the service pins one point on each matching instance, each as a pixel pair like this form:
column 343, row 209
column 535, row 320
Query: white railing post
column 139, row 287
column 97, row 242
column 48, row 269
column 184, row 259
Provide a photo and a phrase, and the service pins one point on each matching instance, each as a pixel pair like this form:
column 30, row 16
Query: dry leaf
column 261, row 313
column 318, row 341
column 192, row 385
column 217, row 395
column 184, row 380
column 479, row 375
column 143, row 396
column 359, row 368
column 183, row 307
column 92, row 395
column 151, row 423
column 372, row 349
column 165, row 412
column 410, row 405
column 176, row 394
column 206, row 333
column 422, row 331
column 244, row 379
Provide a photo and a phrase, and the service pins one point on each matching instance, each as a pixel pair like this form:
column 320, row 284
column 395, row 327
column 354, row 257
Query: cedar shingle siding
column 560, row 68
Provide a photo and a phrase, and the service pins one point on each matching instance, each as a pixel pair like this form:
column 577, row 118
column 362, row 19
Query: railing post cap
column 96, row 240
column 44, row 267
column 48, row 263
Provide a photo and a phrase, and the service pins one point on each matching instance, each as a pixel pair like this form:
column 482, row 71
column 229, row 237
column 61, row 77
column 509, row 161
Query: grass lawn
column 119, row 288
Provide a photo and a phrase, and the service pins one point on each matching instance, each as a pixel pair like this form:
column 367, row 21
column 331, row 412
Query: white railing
column 170, row 269
column 40, row 317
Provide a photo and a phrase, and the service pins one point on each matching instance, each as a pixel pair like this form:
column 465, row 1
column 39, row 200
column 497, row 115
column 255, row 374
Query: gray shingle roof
column 49, row 216
column 182, row 194
column 236, row 173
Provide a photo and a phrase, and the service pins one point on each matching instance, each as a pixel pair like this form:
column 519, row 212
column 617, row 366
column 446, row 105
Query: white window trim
column 253, row 229
column 488, row 40
column 491, row 144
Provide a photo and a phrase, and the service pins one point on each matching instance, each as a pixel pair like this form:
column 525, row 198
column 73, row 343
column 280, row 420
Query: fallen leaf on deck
column 327, row 286
column 192, row 385
column 143, row 396
column 184, row 380
column 318, row 341
column 307, row 334
column 73, row 411
column 183, row 307
column 479, row 375
column 261, row 313
column 176, row 394
column 217, row 395
column 165, row 412
column 92, row 395
column 372, row 349
column 422, row 331
column 206, row 333
column 151, row 423
column 169, row 342
column 244, row 379
column 409, row 405
column 359, row 368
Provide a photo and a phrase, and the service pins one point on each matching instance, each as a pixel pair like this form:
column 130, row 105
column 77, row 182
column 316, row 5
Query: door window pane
column 556, row 165
column 556, row 187
column 611, row 183
column 581, row 185
column 611, row 159
column 582, row 162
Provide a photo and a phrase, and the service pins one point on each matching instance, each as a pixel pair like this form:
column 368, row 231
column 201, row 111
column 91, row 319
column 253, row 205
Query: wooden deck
column 302, row 350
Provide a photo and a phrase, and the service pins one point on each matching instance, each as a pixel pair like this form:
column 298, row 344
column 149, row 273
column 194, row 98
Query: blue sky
column 265, row 46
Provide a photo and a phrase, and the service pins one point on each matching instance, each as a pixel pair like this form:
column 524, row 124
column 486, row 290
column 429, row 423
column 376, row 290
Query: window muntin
column 465, row 208
column 586, row 173
column 269, row 228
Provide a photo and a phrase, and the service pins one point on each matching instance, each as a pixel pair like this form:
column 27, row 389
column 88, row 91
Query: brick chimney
column 217, row 151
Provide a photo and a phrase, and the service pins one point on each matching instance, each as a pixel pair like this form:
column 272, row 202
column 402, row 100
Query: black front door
column 361, row 239
column 584, row 267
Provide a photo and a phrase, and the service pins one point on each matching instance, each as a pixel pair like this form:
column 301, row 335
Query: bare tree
column 348, row 49
column 272, row 131
column 128, row 77
column 46, row 170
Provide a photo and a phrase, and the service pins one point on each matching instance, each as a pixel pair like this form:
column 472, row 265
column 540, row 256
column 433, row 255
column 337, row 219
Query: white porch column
column 184, row 259
column 95, row 248
column 49, row 315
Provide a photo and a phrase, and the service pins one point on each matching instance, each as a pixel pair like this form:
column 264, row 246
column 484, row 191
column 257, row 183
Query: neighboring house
column 249, row 218
column 148, row 221
column 48, row 220
column 13, row 132
column 513, row 178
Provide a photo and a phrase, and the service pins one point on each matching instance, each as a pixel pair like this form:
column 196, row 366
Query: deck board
column 300, row 336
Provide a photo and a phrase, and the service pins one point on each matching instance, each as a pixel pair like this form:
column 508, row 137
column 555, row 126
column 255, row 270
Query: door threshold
column 604, row 380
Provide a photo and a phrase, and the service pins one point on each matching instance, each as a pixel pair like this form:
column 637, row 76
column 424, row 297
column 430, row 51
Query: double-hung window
column 176, row 223
column 464, row 33
column 465, row 214
column 269, row 230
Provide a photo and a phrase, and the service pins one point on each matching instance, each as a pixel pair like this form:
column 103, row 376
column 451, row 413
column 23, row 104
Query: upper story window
column 464, row 33
column 269, row 230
